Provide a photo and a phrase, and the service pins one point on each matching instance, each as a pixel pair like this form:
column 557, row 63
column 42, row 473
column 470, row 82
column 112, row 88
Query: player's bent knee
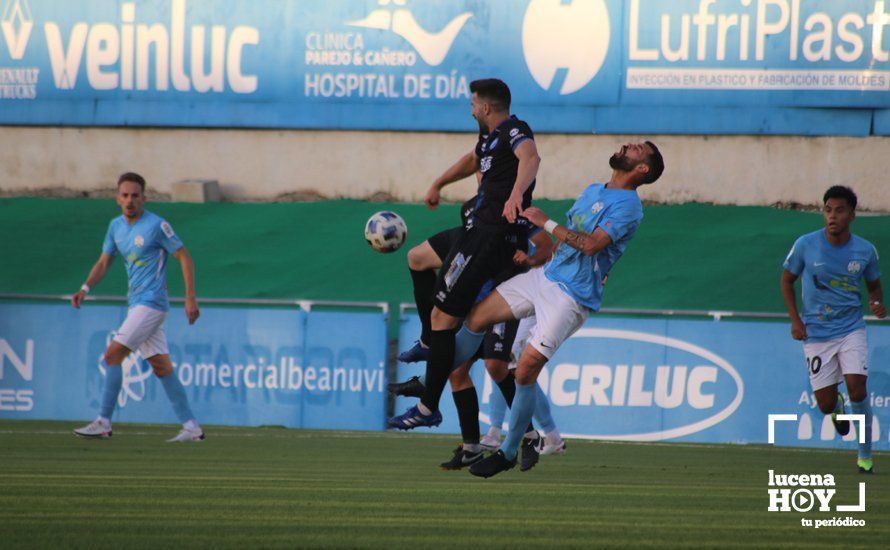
column 115, row 354
column 492, row 310
column 827, row 404
column 858, row 394
column 497, row 370
column 475, row 323
column 530, row 364
column 526, row 379
column 162, row 370
column 161, row 365
column 423, row 257
column 442, row 321
column 414, row 258
column 460, row 379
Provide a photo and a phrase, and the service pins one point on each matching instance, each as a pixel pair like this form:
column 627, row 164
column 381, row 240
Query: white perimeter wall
column 260, row 165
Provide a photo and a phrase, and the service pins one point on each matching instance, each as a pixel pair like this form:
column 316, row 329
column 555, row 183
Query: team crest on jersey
column 139, row 241
column 597, row 206
column 165, row 227
column 854, row 267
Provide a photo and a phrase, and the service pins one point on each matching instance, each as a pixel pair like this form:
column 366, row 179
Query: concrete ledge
column 196, row 191
column 265, row 164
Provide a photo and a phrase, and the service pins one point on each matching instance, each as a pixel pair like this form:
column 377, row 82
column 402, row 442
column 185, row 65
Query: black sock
column 467, row 403
column 424, row 285
column 438, row 366
column 508, row 390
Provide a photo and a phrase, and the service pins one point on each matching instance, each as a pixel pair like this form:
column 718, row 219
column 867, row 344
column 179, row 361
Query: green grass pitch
column 271, row 487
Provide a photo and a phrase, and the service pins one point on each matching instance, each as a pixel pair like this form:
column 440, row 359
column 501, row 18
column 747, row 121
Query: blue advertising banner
column 240, row 366
column 708, row 66
column 681, row 380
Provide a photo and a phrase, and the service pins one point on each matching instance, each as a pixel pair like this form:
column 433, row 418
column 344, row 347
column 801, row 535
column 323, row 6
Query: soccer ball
column 386, row 231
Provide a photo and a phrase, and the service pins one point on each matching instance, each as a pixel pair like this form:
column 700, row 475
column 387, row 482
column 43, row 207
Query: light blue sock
column 497, row 408
column 114, row 378
column 176, row 395
column 520, row 416
column 543, row 417
column 466, row 342
column 864, row 407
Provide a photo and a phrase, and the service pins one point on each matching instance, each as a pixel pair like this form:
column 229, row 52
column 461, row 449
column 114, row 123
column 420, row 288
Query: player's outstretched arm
column 529, row 161
column 588, row 244
column 543, row 251
column 188, row 276
column 96, row 275
column 876, row 298
column 798, row 329
column 465, row 167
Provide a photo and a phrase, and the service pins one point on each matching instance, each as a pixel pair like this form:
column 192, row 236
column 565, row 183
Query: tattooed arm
column 588, row 244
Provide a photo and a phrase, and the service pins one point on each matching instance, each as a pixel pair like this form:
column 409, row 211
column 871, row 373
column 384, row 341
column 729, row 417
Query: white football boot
column 185, row 435
column 96, row 428
column 556, row 447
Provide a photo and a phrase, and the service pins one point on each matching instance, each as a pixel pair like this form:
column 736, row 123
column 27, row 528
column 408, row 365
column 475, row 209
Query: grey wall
column 260, row 165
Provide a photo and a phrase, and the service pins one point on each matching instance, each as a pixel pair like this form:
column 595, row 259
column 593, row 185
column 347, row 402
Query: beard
column 621, row 162
column 483, row 129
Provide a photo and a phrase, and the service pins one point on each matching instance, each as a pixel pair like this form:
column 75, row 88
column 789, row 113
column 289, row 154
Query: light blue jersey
column 832, row 304
column 618, row 212
column 144, row 247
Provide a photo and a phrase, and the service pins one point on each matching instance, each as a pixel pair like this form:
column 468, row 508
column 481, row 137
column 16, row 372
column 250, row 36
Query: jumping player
column 600, row 224
column 488, row 241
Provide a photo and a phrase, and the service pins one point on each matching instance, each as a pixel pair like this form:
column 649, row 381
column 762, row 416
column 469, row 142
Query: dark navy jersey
column 499, row 166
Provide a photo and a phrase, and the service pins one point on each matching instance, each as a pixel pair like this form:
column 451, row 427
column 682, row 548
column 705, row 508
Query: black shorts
column 442, row 241
column 478, row 254
column 498, row 343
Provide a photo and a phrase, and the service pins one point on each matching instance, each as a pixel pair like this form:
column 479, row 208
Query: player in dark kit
column 494, row 231
column 495, row 350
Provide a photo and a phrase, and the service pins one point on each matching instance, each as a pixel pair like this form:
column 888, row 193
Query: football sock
column 508, row 390
column 438, row 367
column 424, row 285
column 864, row 407
column 114, row 378
column 520, row 415
column 542, row 411
column 467, row 403
column 466, row 343
column 472, row 447
column 176, row 395
column 497, row 409
column 191, row 425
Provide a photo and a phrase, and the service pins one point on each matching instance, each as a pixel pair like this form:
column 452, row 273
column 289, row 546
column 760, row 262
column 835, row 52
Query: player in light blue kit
column 144, row 240
column 562, row 294
column 832, row 262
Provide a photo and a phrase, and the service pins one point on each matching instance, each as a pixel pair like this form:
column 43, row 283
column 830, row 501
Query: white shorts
column 143, row 331
column 558, row 314
column 828, row 362
column 523, row 331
